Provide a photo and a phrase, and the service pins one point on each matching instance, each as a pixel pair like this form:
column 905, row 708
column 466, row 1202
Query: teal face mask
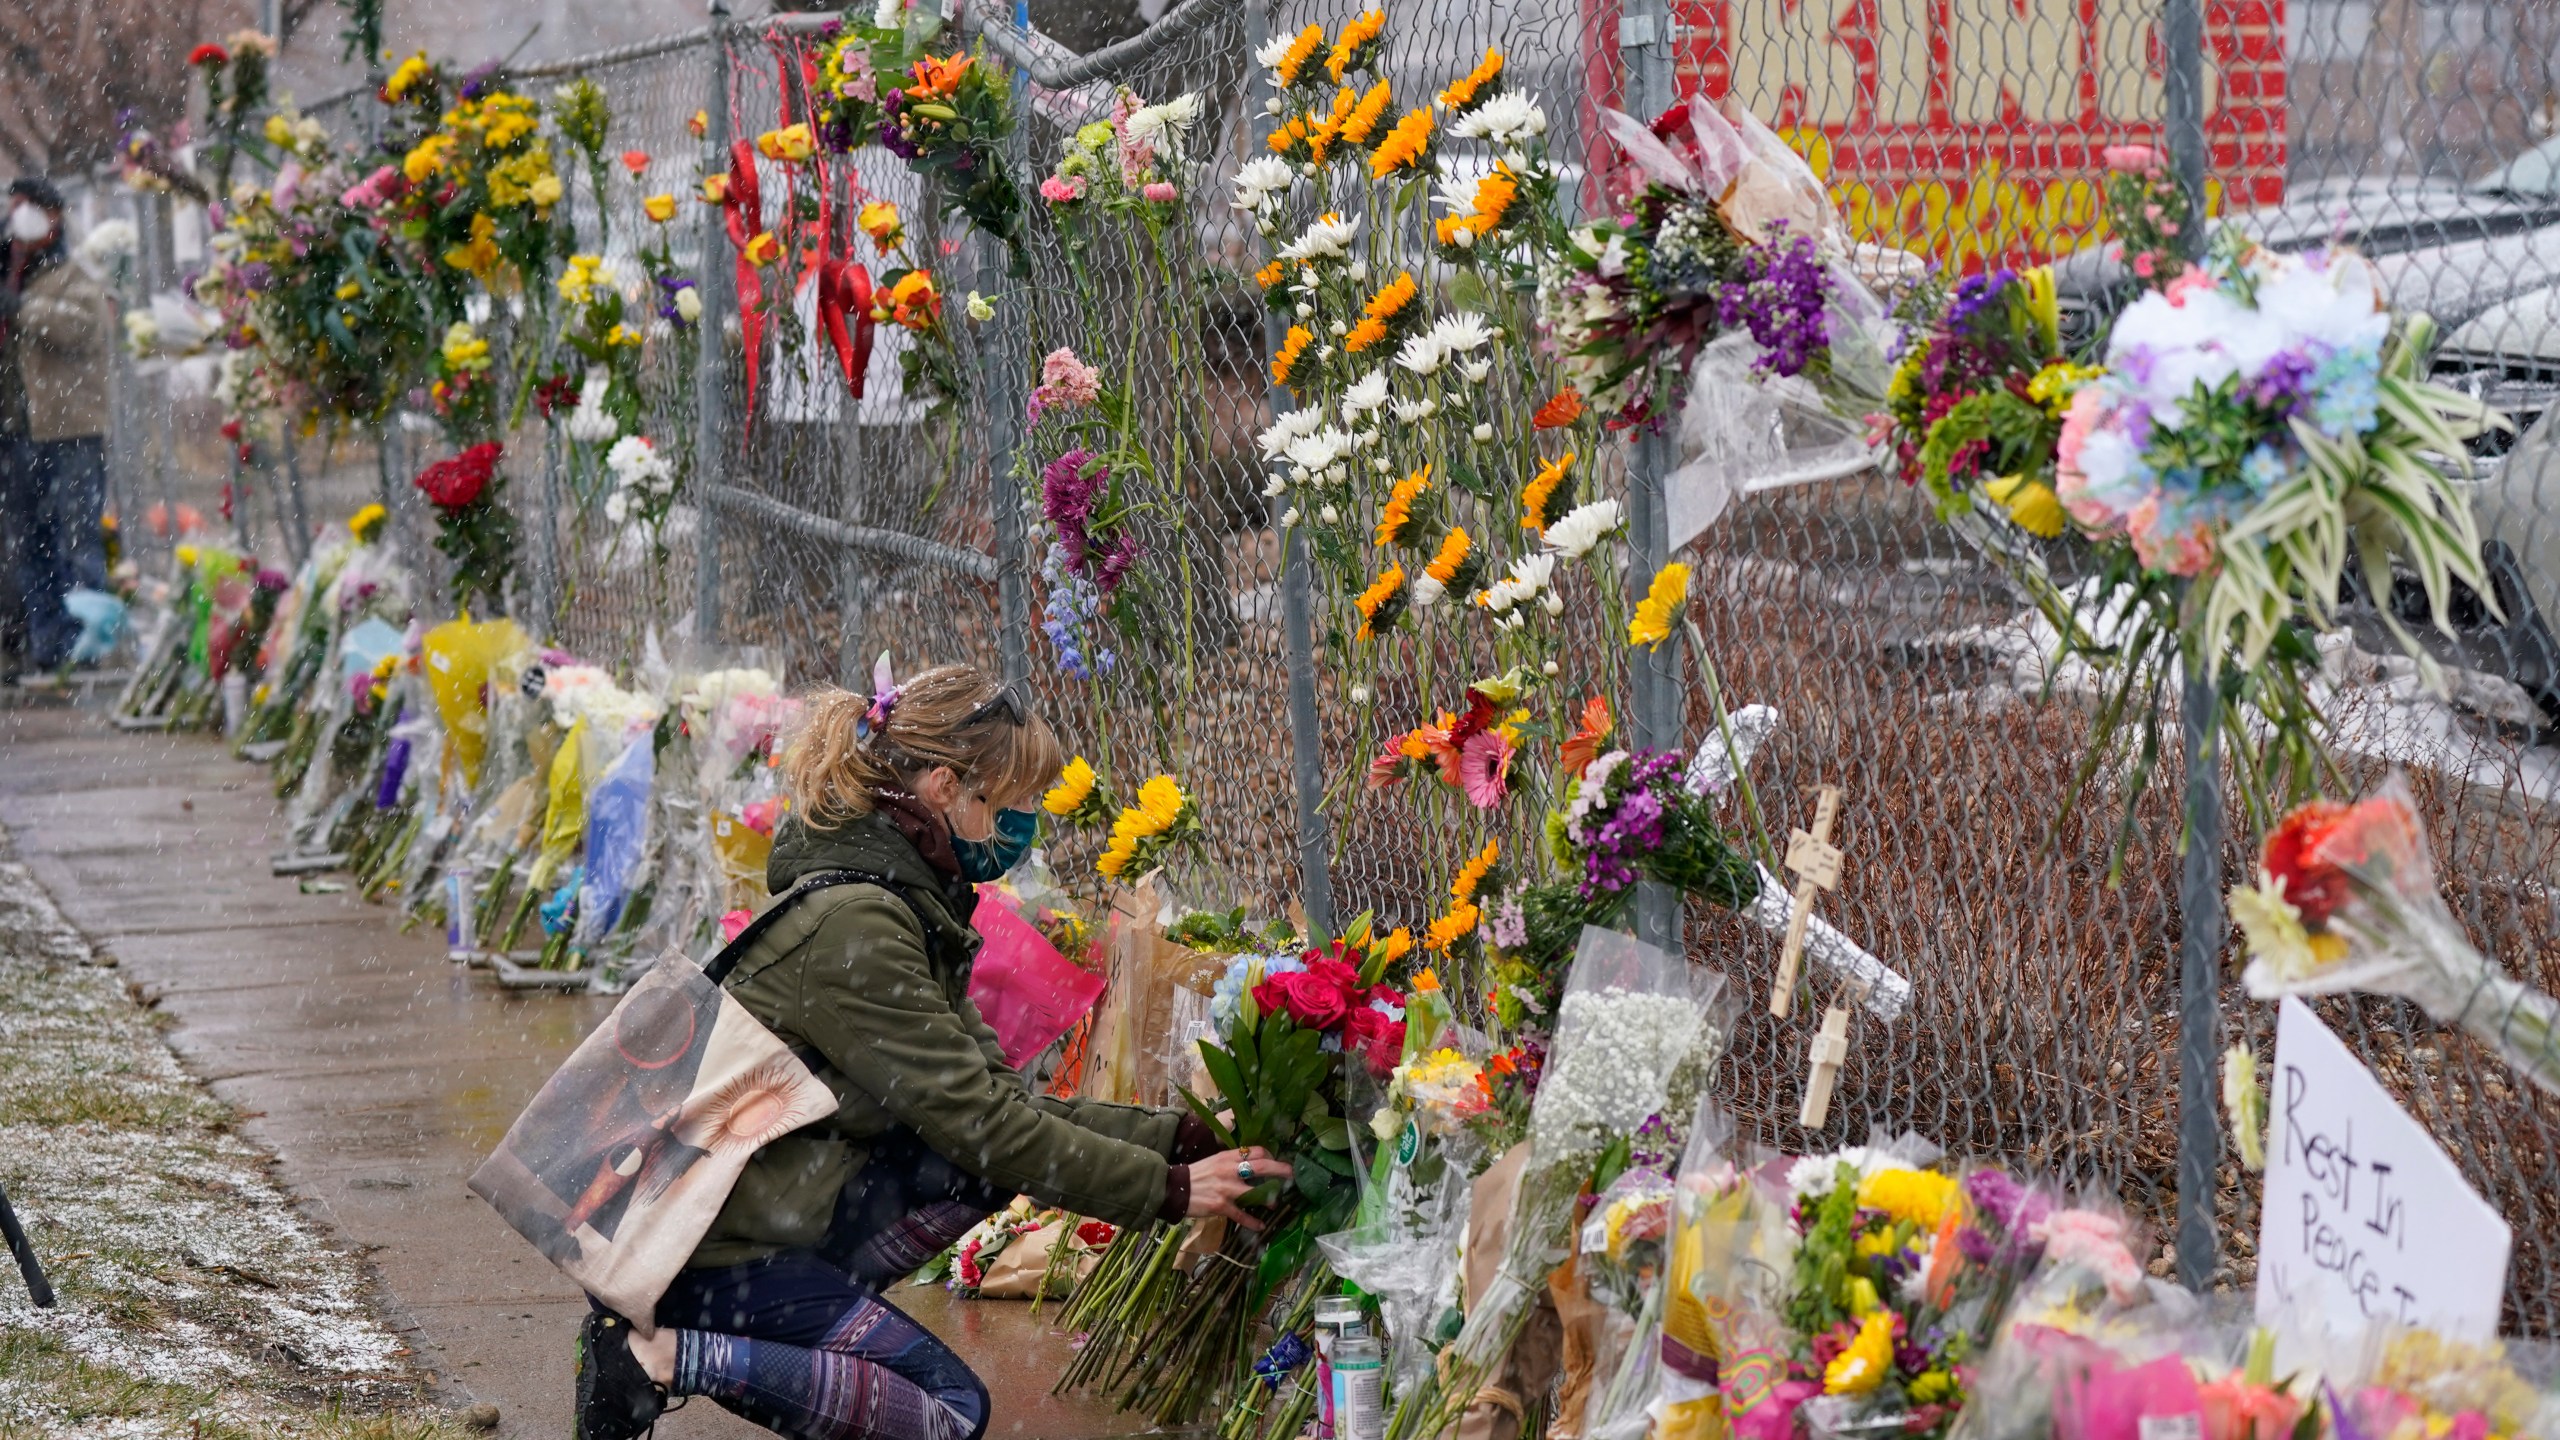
column 989, row 859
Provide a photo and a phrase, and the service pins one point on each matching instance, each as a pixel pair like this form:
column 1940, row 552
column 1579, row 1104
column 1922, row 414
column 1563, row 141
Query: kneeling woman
column 779, row 1316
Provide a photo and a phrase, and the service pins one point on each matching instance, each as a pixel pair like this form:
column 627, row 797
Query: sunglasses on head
column 1007, row 703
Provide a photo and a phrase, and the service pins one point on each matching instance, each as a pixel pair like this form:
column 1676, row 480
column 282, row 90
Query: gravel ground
column 195, row 1300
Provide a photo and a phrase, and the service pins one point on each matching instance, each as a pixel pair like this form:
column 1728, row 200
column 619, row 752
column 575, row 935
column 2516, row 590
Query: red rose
column 1375, row 1039
column 2315, row 888
column 2309, row 850
column 1336, row 973
column 208, row 53
column 1308, row 1000
column 1097, row 1232
column 454, row 483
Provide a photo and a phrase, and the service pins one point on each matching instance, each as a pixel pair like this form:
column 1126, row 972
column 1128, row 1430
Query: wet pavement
column 375, row 1070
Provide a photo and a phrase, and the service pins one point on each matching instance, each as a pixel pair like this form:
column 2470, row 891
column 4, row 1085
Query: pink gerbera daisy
column 1484, row 768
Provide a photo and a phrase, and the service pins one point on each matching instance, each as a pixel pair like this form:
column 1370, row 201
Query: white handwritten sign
column 2366, row 1217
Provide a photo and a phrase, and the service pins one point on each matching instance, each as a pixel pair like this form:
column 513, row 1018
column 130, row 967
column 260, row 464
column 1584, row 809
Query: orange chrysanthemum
column 1405, row 146
column 1364, row 117
column 1395, row 521
column 1449, row 929
column 1453, row 553
column 1320, row 139
column 1539, row 505
column 1271, row 274
column 1472, row 874
column 1494, row 196
column 1467, row 88
column 1383, row 598
column 1295, row 345
column 1293, row 62
column 1356, row 37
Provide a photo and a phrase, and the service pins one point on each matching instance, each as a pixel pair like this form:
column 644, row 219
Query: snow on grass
column 194, row 1299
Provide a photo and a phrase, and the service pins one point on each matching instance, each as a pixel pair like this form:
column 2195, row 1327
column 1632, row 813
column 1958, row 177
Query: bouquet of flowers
column 474, row 529
column 1169, row 1340
column 1723, row 230
column 1128, row 164
column 2346, row 899
column 1147, row 833
column 2414, row 1383
column 1631, row 1026
column 1633, row 814
column 948, row 117
column 1976, row 403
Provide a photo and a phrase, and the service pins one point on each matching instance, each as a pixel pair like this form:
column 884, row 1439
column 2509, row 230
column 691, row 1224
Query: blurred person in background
column 55, row 327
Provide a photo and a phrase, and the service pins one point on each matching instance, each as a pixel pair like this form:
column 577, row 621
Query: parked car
column 2453, row 250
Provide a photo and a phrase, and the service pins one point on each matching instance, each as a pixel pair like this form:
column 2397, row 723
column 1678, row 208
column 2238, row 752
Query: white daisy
column 1292, row 426
column 1411, row 411
column 1584, row 527
column 1329, row 237
column 1262, row 180
column 1423, row 354
column 1273, row 50
column 1427, row 592
column 1475, row 370
column 1320, row 451
column 1366, row 394
column 1460, row 331
column 1507, row 119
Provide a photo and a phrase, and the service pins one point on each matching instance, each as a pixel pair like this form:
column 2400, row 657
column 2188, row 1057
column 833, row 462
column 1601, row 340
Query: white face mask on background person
column 29, row 225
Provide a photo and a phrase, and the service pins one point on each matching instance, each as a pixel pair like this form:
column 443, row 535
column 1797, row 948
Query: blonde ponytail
column 835, row 761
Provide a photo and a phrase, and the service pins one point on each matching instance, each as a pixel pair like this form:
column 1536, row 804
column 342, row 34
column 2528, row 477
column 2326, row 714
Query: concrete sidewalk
column 376, row 1071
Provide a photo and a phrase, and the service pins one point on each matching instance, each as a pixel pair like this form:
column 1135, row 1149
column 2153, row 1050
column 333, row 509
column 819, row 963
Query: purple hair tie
column 884, row 697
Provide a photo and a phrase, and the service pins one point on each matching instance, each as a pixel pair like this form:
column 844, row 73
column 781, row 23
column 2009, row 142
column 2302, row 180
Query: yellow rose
column 715, row 189
column 545, row 191
column 661, row 208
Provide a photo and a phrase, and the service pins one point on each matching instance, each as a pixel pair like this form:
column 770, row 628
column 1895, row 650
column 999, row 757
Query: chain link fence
column 2045, row 1027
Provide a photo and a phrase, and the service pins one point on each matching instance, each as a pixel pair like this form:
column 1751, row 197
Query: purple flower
column 669, row 286
column 255, row 276
column 893, row 130
column 2281, row 385
column 1780, row 299
column 477, row 81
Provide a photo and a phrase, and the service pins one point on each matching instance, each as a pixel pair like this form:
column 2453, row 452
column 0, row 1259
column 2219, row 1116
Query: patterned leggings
column 803, row 1349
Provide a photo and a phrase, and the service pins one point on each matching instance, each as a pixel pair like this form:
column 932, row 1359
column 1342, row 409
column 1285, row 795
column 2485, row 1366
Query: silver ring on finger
column 1244, row 1171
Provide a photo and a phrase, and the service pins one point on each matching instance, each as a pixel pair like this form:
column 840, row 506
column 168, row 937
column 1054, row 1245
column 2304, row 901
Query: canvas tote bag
column 629, row 1150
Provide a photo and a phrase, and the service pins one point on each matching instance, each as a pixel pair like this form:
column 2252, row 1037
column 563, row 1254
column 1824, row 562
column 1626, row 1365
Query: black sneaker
column 616, row 1398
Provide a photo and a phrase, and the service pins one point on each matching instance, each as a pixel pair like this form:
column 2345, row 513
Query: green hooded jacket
column 876, row 995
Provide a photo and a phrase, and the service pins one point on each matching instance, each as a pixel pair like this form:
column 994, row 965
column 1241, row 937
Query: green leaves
column 2020, row 432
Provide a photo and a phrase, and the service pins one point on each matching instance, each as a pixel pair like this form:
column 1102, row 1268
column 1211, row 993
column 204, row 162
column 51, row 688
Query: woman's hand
column 1218, row 1182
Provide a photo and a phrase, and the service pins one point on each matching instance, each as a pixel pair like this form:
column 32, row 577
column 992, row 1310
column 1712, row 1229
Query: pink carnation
column 2088, row 407
column 373, row 190
column 1160, row 191
column 1062, row 189
column 734, row 924
column 2087, row 1238
column 2183, row 552
column 2133, row 159
column 1064, row 381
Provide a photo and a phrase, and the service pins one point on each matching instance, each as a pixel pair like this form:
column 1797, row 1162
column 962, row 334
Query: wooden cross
column 1830, row 1049
column 1816, row 862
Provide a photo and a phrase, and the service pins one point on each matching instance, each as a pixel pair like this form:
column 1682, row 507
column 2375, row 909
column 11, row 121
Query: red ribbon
column 744, row 209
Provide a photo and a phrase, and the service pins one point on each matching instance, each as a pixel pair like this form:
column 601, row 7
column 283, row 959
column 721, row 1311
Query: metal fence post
column 710, row 378
column 2201, row 928
column 1644, row 57
column 1000, row 367
column 2200, row 937
column 1297, row 624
